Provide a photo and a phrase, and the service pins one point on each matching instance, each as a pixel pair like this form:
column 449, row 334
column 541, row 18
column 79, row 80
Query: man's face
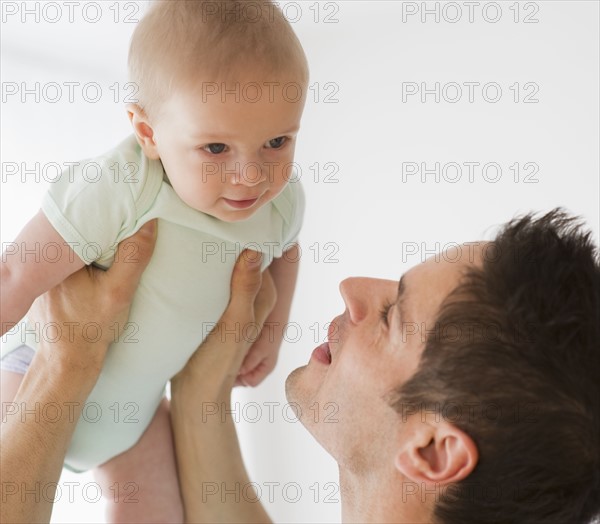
column 228, row 148
column 375, row 347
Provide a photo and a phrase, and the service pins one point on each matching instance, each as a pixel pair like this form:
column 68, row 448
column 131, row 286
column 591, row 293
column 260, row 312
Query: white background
column 371, row 218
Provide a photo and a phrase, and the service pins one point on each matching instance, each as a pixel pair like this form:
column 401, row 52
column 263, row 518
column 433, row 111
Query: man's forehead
column 423, row 288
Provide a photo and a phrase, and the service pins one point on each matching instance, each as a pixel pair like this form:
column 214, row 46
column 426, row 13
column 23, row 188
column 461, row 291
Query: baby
column 221, row 90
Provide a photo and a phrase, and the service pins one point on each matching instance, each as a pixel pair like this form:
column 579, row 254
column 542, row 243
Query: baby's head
column 221, row 89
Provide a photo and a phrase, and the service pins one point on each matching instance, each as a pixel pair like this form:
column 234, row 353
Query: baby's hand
column 259, row 362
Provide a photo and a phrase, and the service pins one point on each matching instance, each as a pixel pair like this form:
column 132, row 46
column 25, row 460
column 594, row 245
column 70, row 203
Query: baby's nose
column 249, row 174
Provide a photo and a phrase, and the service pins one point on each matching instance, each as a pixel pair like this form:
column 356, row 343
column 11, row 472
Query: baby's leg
column 141, row 484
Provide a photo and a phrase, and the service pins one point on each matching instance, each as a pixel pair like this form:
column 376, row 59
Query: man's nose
column 355, row 295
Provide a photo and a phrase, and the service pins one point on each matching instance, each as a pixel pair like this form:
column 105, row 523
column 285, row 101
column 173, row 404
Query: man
column 466, row 392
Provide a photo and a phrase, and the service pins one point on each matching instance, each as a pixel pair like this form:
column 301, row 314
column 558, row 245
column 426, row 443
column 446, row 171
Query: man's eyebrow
column 400, row 300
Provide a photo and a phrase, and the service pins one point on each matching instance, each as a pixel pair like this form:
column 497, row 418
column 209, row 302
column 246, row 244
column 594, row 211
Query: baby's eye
column 215, row 149
column 276, row 143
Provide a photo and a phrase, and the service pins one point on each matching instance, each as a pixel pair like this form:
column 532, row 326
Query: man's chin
column 292, row 385
column 300, row 394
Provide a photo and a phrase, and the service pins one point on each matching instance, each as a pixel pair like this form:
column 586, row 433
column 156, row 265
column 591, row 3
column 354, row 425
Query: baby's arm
column 262, row 356
column 35, row 262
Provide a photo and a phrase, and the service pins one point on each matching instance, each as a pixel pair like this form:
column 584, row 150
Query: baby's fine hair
column 181, row 43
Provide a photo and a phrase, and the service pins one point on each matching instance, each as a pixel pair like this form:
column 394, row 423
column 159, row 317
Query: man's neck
column 383, row 497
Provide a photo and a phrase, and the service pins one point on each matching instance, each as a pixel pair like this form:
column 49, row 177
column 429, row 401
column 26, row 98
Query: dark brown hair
column 522, row 379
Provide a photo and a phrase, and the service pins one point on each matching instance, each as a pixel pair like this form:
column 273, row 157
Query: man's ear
column 143, row 131
column 436, row 453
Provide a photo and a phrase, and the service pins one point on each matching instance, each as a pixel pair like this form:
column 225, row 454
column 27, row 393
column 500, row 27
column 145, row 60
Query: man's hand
column 64, row 372
column 91, row 306
column 262, row 356
column 207, row 448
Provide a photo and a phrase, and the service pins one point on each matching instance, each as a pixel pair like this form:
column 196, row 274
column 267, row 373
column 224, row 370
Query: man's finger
column 133, row 255
column 245, row 282
column 265, row 299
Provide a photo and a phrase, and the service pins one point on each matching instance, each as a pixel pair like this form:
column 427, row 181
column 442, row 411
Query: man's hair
column 181, row 42
column 522, row 377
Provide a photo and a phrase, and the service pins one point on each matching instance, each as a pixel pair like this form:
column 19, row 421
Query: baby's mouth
column 241, row 204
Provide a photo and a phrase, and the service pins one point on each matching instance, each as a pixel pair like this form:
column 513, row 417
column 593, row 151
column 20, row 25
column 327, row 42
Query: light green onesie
column 182, row 293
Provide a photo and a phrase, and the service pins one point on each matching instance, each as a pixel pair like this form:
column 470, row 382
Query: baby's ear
column 143, row 131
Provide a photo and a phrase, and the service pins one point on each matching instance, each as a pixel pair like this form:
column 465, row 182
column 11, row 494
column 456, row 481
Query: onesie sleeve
column 293, row 222
column 91, row 207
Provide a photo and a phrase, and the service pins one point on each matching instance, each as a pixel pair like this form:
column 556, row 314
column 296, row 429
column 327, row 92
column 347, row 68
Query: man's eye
column 384, row 312
column 215, row 149
column 276, row 143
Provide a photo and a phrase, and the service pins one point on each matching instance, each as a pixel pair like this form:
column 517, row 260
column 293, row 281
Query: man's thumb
column 246, row 279
column 133, row 255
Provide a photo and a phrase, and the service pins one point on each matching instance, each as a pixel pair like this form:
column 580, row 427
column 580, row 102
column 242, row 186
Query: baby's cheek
column 200, row 195
column 281, row 181
column 212, row 187
column 282, row 173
